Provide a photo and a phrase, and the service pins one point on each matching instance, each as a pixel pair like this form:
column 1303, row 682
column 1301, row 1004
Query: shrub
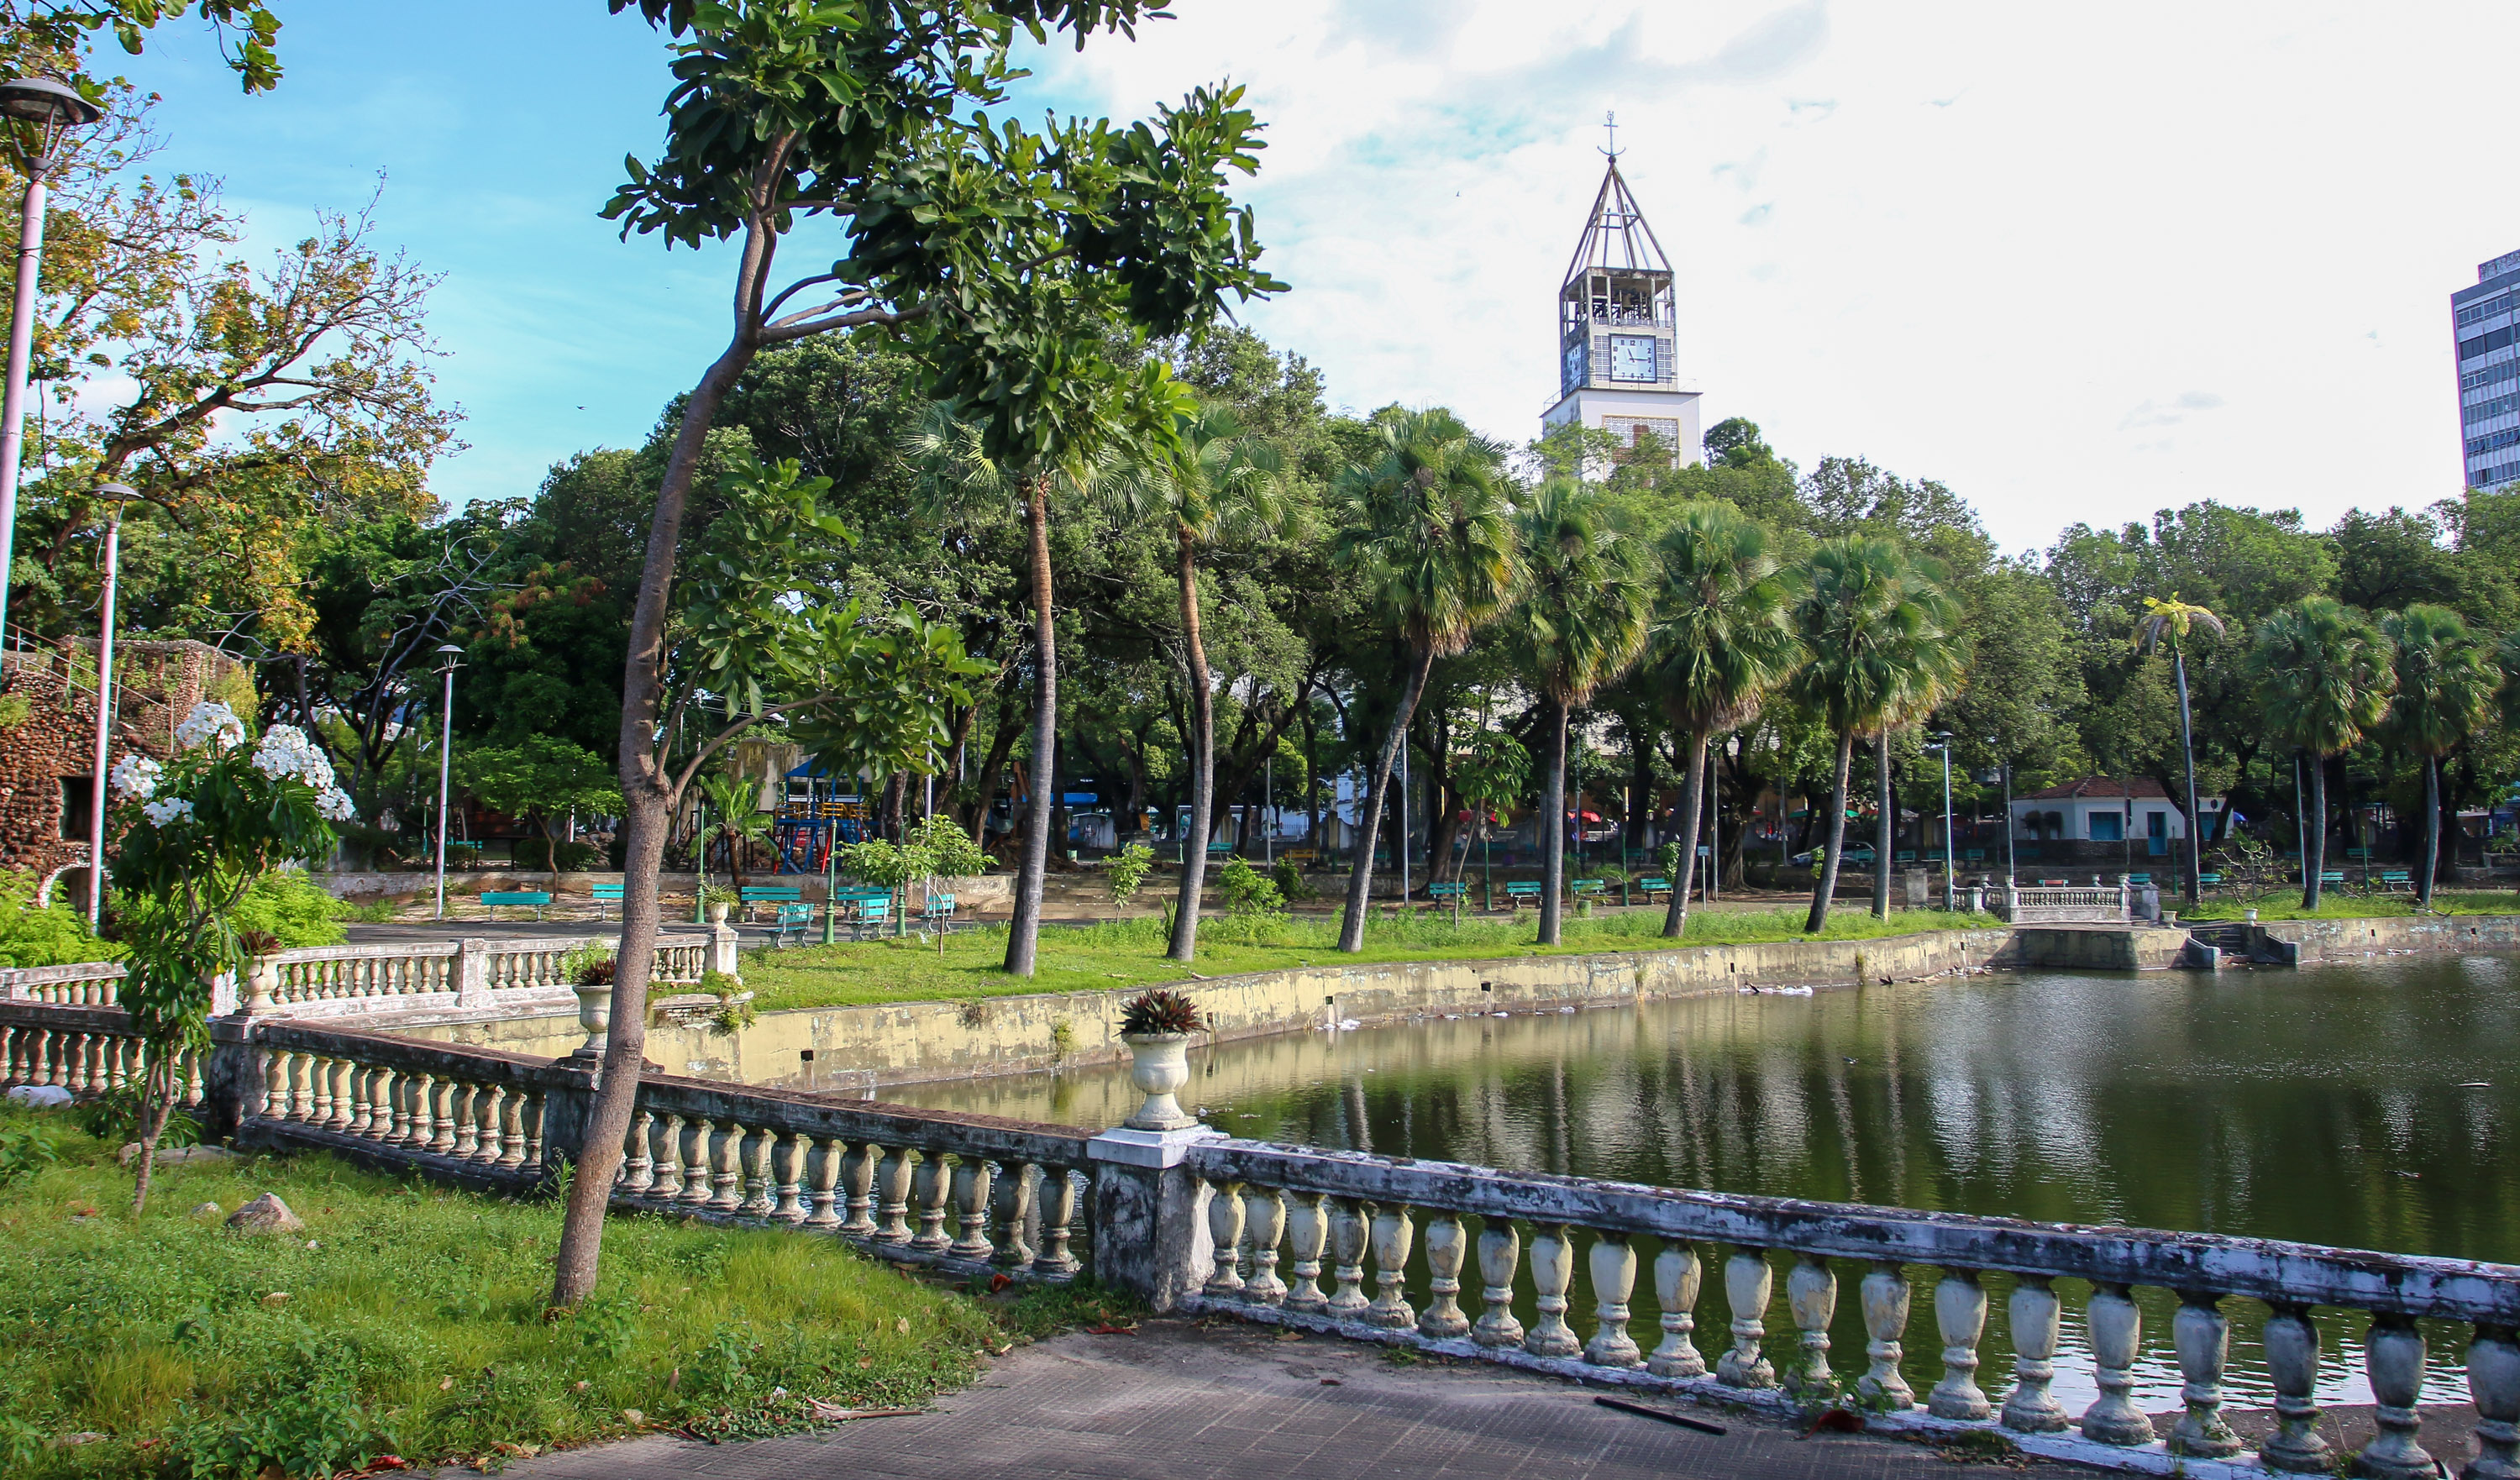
column 1245, row 891
column 1129, row 869
column 1158, row 1012
column 589, row 966
column 288, row 906
column 1289, row 881
column 878, row 861
column 950, row 853
column 47, row 936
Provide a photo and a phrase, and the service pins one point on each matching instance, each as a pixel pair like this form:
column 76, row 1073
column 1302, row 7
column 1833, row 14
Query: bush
column 950, row 853
column 1289, row 881
column 1129, row 868
column 290, row 906
column 52, row 935
column 1245, row 891
column 539, row 852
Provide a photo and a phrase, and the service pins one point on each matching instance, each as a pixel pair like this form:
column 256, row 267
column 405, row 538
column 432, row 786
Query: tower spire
column 1611, row 122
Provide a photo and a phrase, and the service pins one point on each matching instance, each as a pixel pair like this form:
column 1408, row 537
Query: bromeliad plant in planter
column 194, row 835
column 1158, row 1026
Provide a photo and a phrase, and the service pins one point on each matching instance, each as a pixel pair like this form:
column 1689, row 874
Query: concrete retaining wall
column 2357, row 939
column 2141, row 948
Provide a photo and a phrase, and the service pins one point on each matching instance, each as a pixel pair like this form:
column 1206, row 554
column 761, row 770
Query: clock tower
column 1617, row 366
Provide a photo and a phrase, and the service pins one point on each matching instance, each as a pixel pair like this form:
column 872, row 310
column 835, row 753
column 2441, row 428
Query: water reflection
column 2362, row 1105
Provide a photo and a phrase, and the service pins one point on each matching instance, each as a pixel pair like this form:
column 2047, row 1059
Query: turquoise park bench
column 2209, row 881
column 855, row 903
column 1972, row 855
column 1586, row 886
column 2395, row 881
column 757, row 895
column 1650, row 887
column 871, row 916
column 1905, row 856
column 791, row 917
column 1456, row 893
column 937, row 914
column 606, row 895
column 2139, row 878
column 535, row 900
column 1518, row 890
column 2331, row 878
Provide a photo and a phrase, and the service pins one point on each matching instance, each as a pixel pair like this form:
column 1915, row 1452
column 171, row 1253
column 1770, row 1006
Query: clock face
column 1574, row 372
column 1631, row 357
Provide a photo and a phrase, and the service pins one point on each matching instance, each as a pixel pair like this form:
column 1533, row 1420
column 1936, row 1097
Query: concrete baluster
column 1883, row 1295
column 1224, row 1239
column 1448, row 1247
column 2034, row 1310
column 2494, row 1383
column 726, row 1168
column 363, row 1104
column 931, row 1189
column 2115, row 1325
column 405, row 1102
column 1058, row 1220
column 1749, row 1284
column 1393, row 1234
column 892, row 1181
column 1959, row 1314
column 1264, row 1209
column 535, row 1108
column 1811, row 1293
column 1500, row 1255
column 301, row 1081
column 787, row 1156
column 463, row 1104
column 752, row 1171
column 1347, row 1260
column 857, row 1176
column 696, row 1162
column 669, row 1159
column 1308, row 1230
column 971, row 1208
column 1011, row 1215
column 2291, row 1343
column 441, row 1115
column 2393, row 1358
column 2203, row 1335
column 1614, row 1278
column 639, row 1169
column 490, row 1140
column 1676, row 1278
column 343, row 1108
column 512, row 1129
column 1552, row 1270
column 823, row 1155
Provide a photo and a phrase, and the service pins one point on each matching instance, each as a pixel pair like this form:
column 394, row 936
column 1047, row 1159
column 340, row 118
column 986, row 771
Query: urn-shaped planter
column 1158, row 1065
column 594, row 1016
column 717, row 912
column 261, row 976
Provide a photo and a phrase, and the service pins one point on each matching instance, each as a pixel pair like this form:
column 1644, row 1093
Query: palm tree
column 2168, row 624
column 2322, row 677
column 1880, row 628
column 1919, row 675
column 2445, row 692
column 1427, row 530
column 1586, row 612
column 1722, row 643
column 1221, row 484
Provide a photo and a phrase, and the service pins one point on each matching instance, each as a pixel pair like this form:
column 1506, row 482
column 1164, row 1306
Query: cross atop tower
column 1611, row 122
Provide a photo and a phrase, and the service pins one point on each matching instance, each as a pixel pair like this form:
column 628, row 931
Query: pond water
column 2368, row 1106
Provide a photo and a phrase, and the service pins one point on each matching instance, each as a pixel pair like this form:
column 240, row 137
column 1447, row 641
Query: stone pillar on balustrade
column 471, row 973
column 1150, row 1226
column 721, row 950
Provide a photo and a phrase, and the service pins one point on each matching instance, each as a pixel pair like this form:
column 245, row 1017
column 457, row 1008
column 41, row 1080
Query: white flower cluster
column 335, row 807
column 166, row 809
column 136, row 776
column 285, row 752
column 212, row 724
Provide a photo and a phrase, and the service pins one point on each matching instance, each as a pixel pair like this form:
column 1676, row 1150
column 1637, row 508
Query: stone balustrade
column 86, row 1050
column 1288, row 1233
column 469, row 975
column 88, row 984
column 2097, row 904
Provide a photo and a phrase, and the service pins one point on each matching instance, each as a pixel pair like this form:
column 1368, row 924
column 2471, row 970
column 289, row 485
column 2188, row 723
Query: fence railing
column 469, row 974
column 1289, row 1230
column 89, row 984
column 2104, row 904
column 86, row 1050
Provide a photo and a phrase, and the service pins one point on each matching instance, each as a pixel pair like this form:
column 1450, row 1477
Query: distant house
column 2100, row 809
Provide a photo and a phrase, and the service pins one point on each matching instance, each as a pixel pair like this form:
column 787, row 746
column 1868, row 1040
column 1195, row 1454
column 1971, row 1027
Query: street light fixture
column 1940, row 741
column 448, row 654
column 2004, row 769
column 114, row 495
column 50, row 109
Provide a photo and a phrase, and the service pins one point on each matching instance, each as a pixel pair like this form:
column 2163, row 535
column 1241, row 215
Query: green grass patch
column 2342, row 904
column 409, row 1320
column 1129, row 953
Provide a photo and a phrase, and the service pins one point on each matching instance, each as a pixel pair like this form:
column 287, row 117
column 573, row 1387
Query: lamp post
column 447, row 654
column 2004, row 769
column 50, row 109
column 114, row 495
column 1942, row 740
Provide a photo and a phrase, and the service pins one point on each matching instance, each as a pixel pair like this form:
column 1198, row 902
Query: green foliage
column 590, row 964
column 557, row 854
column 950, row 853
column 543, row 778
column 1246, row 890
column 293, row 908
column 50, row 935
column 2324, row 675
column 118, row 1117
column 880, row 862
column 1288, row 881
column 1127, row 871
column 15, row 710
column 26, row 1148
column 1159, row 1011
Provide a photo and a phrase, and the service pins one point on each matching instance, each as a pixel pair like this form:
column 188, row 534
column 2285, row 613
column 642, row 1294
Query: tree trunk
column 1826, row 889
column 1885, row 833
column 1640, row 813
column 1553, row 851
column 2314, row 837
column 1203, row 762
column 1023, row 933
column 2432, row 830
column 1692, row 796
column 1360, row 875
column 1312, row 788
column 1002, row 744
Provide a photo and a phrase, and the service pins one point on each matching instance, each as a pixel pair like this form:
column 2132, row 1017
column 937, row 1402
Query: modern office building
column 2484, row 322
column 1618, row 331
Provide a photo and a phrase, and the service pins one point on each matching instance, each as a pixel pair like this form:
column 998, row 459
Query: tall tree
column 1427, row 530
column 2446, row 692
column 1721, row 645
column 2168, row 624
column 1869, row 617
column 1586, row 612
column 2323, row 676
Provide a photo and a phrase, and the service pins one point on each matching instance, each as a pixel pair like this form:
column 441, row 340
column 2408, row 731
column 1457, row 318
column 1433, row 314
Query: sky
column 2080, row 265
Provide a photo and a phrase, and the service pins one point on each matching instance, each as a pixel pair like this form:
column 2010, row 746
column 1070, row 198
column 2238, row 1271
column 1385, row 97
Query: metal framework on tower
column 1616, row 317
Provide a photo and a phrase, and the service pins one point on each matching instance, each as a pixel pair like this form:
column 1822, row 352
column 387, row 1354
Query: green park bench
column 606, row 896
column 2395, row 881
column 1587, row 886
column 1650, row 887
column 1905, row 856
column 757, row 895
column 1520, row 889
column 1444, row 891
column 1972, row 855
column 937, row 914
column 2139, row 878
column 523, row 899
column 795, row 916
column 871, row 916
column 2209, row 881
column 2331, row 878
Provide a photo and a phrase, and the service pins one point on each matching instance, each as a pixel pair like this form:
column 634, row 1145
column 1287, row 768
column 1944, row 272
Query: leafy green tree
column 2446, row 690
column 1426, row 528
column 1586, row 612
column 732, row 817
column 1734, row 442
column 1869, row 618
column 2168, row 624
column 1218, row 484
column 1920, row 673
column 2324, row 677
column 1722, row 643
column 543, row 778
column 59, row 31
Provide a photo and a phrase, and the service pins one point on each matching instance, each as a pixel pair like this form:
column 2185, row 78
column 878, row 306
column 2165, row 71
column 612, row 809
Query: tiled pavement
column 1230, row 1403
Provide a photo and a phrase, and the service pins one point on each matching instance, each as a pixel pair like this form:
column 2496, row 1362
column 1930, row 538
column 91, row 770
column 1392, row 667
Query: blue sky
column 2080, row 265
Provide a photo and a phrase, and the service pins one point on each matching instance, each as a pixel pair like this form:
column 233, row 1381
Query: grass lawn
column 2285, row 904
column 1131, row 953
column 408, row 1319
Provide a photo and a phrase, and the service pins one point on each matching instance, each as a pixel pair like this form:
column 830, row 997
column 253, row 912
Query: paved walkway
column 1175, row 1402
